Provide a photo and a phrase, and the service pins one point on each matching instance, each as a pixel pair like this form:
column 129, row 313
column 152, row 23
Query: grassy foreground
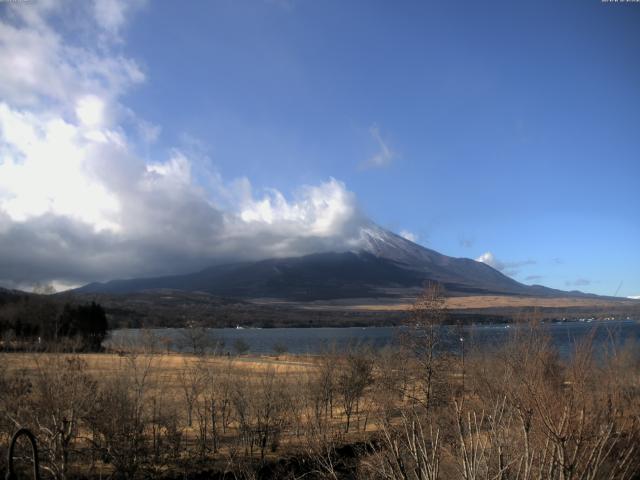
column 512, row 412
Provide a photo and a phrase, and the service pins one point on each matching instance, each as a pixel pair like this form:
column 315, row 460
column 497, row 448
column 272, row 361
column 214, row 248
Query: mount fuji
column 382, row 265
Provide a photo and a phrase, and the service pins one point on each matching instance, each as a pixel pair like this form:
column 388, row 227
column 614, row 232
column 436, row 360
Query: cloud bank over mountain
column 77, row 200
column 508, row 268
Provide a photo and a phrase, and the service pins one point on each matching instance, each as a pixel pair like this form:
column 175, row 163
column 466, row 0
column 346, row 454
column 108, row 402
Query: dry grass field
column 511, row 301
column 224, row 409
column 165, row 370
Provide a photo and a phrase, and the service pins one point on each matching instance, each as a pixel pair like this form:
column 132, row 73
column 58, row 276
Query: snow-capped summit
column 386, row 244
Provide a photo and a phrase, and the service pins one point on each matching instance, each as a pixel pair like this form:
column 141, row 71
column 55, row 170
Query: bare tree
column 354, row 377
column 192, row 380
column 241, row 346
column 410, row 449
column 321, row 388
column 428, row 314
column 280, row 348
column 195, row 339
column 62, row 397
column 261, row 411
column 119, row 419
column 210, row 406
column 270, row 411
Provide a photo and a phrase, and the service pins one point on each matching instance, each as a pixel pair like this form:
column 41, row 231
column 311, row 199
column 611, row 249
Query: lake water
column 314, row 340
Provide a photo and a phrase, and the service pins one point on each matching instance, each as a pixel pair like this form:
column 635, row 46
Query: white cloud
column 490, row 260
column 176, row 169
column 77, row 201
column 412, row 237
column 37, row 64
column 384, row 156
column 111, row 15
column 319, row 210
column 90, row 110
column 43, row 170
column 508, row 268
column 634, row 297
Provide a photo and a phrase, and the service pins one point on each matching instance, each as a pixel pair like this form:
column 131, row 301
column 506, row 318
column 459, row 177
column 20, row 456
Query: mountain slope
column 461, row 274
column 385, row 264
column 318, row 276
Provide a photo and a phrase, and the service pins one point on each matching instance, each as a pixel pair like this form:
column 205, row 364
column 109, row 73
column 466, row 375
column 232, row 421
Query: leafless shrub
column 165, row 431
column 354, row 376
column 241, row 347
column 211, row 387
column 16, row 389
column 261, row 409
column 391, row 381
column 62, row 396
column 534, row 417
column 120, row 419
column 321, row 442
column 192, row 380
column 196, row 340
column 408, row 450
column 321, row 388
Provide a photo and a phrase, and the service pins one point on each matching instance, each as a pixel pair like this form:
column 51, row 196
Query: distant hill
column 10, row 296
column 386, row 265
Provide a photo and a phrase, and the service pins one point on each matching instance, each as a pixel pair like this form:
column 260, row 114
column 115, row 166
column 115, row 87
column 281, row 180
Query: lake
column 314, row 340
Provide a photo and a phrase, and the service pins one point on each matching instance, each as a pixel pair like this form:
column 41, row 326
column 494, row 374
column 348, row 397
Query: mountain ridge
column 382, row 265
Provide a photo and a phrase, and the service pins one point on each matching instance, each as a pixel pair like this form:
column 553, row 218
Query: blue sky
column 507, row 131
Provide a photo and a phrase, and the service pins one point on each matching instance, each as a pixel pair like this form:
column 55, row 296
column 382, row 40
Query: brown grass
column 500, row 301
column 165, row 365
